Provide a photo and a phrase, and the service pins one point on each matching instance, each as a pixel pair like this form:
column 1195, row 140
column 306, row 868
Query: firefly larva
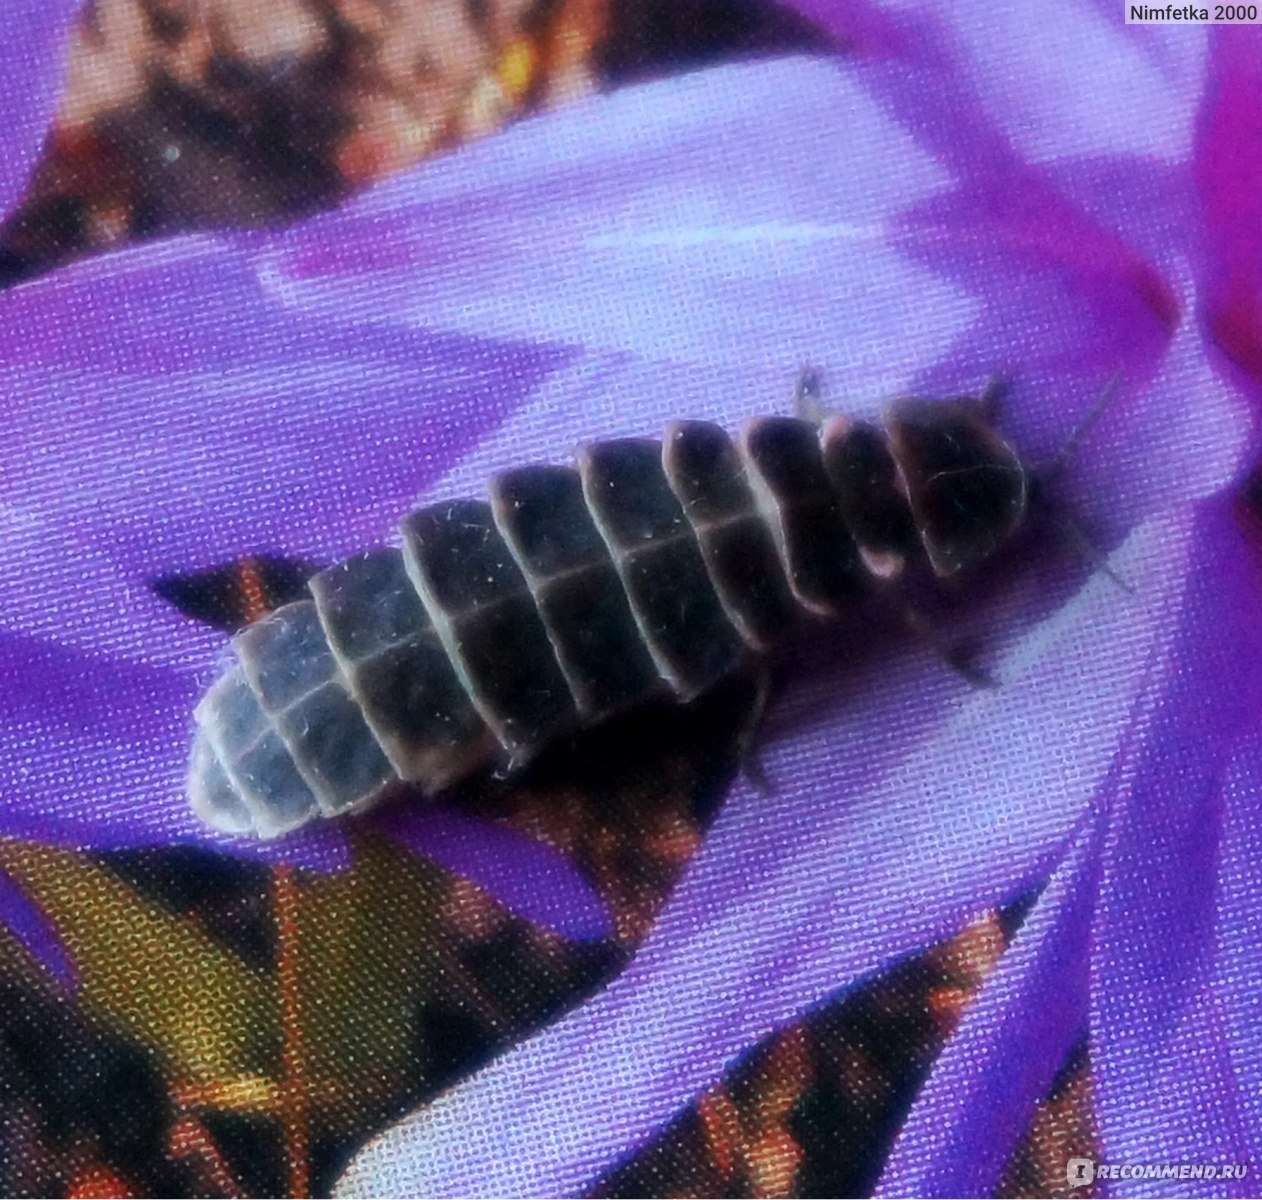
column 571, row 594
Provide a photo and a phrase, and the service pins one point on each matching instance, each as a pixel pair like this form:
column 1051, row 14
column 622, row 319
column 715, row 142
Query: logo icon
column 1079, row 1172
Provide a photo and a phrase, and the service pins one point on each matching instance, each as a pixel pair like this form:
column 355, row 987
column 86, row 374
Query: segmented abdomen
column 570, row 595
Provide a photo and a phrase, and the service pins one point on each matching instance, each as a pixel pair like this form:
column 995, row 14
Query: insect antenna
column 1069, row 447
column 1065, row 524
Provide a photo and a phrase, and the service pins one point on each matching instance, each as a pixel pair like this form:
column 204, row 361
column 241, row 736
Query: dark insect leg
column 1069, row 447
column 747, row 741
column 961, row 659
column 1069, row 530
column 1080, row 542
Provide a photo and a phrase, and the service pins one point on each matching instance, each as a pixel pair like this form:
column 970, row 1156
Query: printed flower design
column 956, row 196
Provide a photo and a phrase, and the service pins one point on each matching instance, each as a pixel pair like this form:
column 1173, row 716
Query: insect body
column 572, row 594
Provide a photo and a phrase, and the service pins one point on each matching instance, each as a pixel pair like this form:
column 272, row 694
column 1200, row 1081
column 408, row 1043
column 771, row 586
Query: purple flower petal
column 797, row 895
column 95, row 752
column 920, row 218
column 954, row 72
column 217, row 426
column 1012, row 1040
column 1158, row 1006
column 637, row 223
column 1238, row 951
column 640, row 223
column 525, row 875
column 213, row 426
column 818, row 253
column 1166, row 1090
column 27, row 922
column 1228, row 174
column 217, row 421
column 31, row 68
column 1070, row 227
column 794, row 897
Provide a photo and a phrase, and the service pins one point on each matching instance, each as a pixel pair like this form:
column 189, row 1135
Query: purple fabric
column 921, row 215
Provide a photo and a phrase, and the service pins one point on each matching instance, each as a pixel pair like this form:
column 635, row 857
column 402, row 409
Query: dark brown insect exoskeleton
column 574, row 593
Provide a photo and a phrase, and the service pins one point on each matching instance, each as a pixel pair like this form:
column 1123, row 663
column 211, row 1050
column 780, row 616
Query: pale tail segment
column 650, row 568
